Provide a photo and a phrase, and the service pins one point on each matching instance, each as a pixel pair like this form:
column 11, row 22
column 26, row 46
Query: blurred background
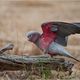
column 20, row 16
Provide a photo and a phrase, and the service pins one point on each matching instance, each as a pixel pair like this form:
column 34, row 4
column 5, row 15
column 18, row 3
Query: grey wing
column 66, row 29
column 58, row 49
column 62, row 40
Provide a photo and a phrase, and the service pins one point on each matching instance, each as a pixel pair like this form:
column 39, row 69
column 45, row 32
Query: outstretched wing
column 64, row 30
column 62, row 40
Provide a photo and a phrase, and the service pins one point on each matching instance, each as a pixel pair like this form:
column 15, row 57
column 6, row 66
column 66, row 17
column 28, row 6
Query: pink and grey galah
column 54, row 37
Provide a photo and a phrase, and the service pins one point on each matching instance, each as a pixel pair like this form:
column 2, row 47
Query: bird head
column 33, row 36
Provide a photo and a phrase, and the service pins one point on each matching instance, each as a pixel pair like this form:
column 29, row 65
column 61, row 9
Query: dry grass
column 20, row 16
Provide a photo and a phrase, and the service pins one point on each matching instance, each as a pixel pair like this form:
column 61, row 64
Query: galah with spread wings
column 54, row 37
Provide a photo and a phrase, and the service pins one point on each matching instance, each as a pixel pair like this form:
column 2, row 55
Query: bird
column 54, row 37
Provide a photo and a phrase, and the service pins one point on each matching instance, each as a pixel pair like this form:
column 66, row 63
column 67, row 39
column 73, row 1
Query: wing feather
column 66, row 29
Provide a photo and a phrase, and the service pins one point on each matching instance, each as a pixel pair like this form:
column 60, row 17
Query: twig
column 6, row 47
column 15, row 62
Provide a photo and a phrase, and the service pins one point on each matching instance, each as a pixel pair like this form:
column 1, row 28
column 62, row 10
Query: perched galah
column 54, row 37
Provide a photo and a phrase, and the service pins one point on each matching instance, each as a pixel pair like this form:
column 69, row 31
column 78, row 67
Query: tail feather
column 74, row 58
column 60, row 50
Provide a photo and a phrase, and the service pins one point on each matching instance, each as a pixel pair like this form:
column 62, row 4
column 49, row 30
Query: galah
column 54, row 37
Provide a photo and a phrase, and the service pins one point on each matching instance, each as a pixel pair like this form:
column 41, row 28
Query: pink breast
column 46, row 39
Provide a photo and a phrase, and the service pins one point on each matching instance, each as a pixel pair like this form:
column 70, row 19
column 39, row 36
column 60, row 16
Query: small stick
column 6, row 47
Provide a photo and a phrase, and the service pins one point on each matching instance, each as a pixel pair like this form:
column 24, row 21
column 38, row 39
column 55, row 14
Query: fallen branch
column 15, row 62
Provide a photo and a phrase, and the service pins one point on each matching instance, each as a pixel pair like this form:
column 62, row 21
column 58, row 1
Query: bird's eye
column 30, row 36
